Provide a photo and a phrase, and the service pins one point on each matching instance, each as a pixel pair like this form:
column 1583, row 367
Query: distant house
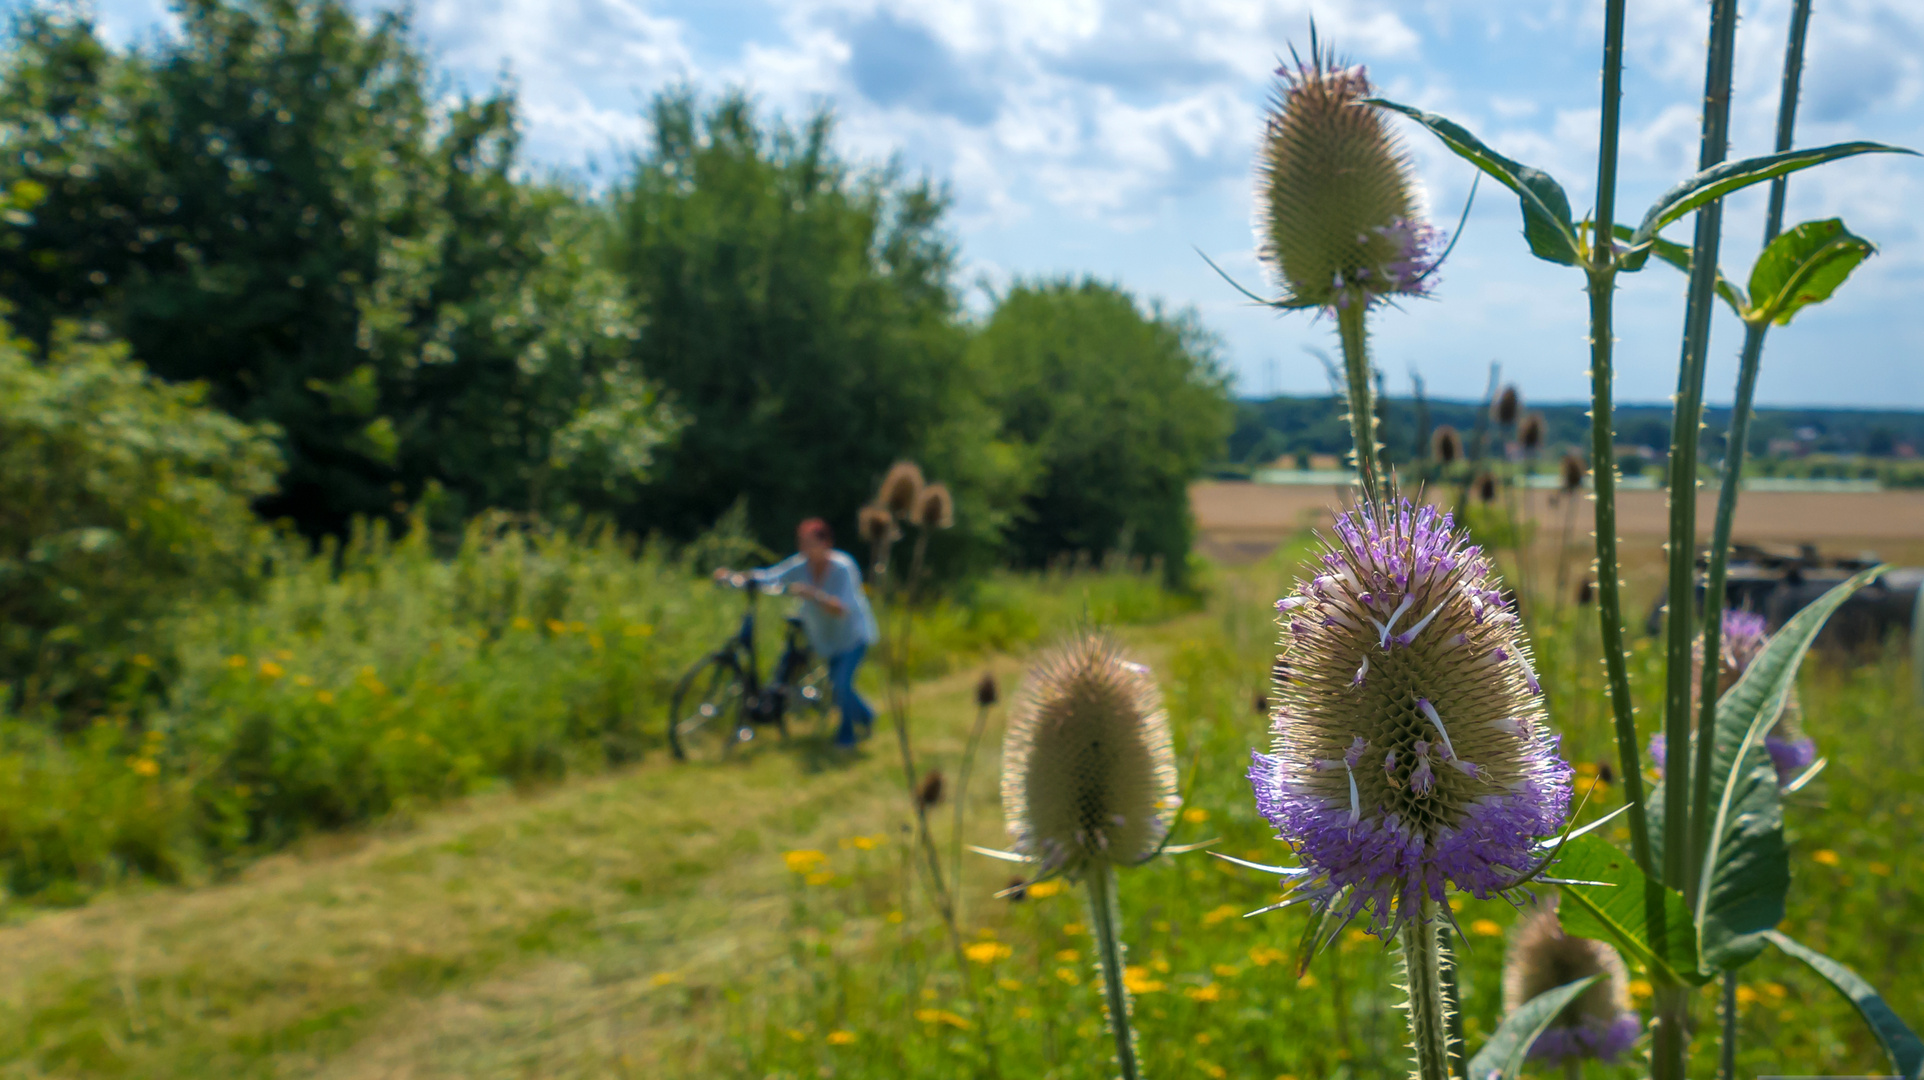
column 1285, row 462
column 1325, row 462
column 1787, row 448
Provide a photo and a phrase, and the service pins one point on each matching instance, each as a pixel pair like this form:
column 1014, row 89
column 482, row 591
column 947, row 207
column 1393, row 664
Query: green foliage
column 801, row 313
column 1803, row 267
column 124, row 496
column 1900, row 1043
column 1504, row 1054
column 1115, row 408
column 269, row 202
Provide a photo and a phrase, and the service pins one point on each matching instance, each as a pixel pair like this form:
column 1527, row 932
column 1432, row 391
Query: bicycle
column 721, row 701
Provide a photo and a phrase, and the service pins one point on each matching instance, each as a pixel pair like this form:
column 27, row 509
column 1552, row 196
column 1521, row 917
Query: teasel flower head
column 1586, row 592
column 1744, row 636
column 1338, row 219
column 1572, row 479
column 901, row 491
column 935, row 508
column 1600, row 1023
column 1446, row 446
column 1507, row 406
column 928, row 792
column 986, row 692
column 877, row 526
column 1530, row 433
column 1409, row 750
column 1486, row 488
column 1088, row 774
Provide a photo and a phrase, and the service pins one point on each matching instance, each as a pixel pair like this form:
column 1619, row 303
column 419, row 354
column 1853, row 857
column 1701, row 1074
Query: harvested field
column 1240, row 521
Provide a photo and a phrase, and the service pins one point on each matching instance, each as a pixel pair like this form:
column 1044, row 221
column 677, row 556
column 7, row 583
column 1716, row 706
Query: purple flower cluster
column 1744, row 636
column 1604, row 1041
column 1409, row 752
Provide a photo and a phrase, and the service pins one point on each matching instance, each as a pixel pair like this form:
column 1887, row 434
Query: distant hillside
column 1271, row 427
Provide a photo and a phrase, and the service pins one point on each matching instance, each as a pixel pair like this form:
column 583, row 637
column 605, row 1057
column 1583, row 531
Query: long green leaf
column 1720, row 180
column 1503, row 1055
column 1746, row 871
column 1900, row 1043
column 1803, row 267
column 1546, row 209
column 1677, row 255
column 1620, row 911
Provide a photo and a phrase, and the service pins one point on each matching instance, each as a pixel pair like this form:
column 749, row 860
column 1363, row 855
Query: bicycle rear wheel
column 705, row 713
column 809, row 698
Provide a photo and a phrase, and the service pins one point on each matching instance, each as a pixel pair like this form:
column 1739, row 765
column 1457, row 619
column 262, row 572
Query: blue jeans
column 855, row 711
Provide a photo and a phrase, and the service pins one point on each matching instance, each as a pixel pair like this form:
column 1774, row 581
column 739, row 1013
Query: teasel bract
column 1744, row 636
column 1089, row 786
column 1600, row 1023
column 1409, row 752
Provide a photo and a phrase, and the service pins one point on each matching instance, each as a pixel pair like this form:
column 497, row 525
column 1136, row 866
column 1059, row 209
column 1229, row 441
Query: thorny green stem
column 1362, row 418
column 1670, row 1035
column 1603, row 459
column 1728, row 1058
column 1736, row 443
column 1453, row 994
column 1680, row 860
column 1429, row 1007
column 1105, row 915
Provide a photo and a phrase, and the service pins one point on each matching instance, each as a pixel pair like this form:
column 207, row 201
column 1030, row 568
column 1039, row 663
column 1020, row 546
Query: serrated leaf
column 1503, row 1055
column 1720, row 180
column 1622, row 912
column 1746, row 867
column 1546, row 209
column 1803, row 267
column 1900, row 1043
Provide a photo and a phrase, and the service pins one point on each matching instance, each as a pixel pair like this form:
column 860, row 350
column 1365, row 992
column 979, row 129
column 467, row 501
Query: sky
column 1115, row 138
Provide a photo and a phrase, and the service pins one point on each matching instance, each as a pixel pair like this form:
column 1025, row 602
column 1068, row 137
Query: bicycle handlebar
column 745, row 581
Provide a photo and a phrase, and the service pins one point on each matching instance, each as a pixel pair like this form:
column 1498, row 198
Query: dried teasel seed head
column 1486, row 488
column 1262, row 704
column 986, row 693
column 901, row 490
column 1531, row 432
column 1088, row 774
column 1337, row 214
column 877, row 526
column 1599, row 1023
column 1586, row 592
column 1409, row 750
column 936, row 508
column 1446, row 446
column 1017, row 891
column 1572, row 478
column 929, row 792
column 1507, row 406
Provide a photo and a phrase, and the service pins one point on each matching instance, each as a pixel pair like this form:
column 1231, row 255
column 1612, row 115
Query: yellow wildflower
column 1069, row 976
column 143, row 660
column 1226, row 971
column 1880, row 869
column 1068, row 956
column 637, row 630
column 804, row 861
column 1486, row 928
column 1307, row 982
column 1746, row 995
column 270, row 670
column 1212, row 1070
column 1265, row 955
column 894, row 917
column 820, row 877
column 1227, row 911
column 986, row 952
column 1640, row 988
column 942, row 1016
column 1195, row 815
column 325, row 697
column 1136, row 978
column 147, row 766
column 1009, row 984
column 1074, row 928
column 664, row 978
column 1042, row 890
column 1206, row 992
column 237, row 661
column 841, row 1038
column 522, row 622
column 556, row 626
column 1825, row 856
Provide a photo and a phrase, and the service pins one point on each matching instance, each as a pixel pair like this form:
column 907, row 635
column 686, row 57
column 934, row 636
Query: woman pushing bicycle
column 835, row 613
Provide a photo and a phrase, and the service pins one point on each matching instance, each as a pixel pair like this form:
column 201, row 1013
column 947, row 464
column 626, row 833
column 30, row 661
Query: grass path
column 581, row 930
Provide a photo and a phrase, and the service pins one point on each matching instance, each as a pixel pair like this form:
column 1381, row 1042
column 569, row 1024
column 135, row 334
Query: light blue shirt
column 829, row 634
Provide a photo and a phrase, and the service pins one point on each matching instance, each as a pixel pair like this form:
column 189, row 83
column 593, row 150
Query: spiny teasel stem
column 1105, row 918
column 1362, row 418
column 1429, row 1007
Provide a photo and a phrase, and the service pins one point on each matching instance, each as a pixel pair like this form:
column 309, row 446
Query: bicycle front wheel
column 705, row 713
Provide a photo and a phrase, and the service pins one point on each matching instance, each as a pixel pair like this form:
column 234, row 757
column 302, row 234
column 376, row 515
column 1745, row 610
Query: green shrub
column 122, row 496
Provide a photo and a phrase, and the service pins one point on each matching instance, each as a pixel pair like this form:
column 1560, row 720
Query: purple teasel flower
column 1410, row 754
column 1600, row 1023
column 1744, row 636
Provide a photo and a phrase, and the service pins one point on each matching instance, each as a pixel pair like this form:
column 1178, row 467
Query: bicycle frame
column 765, row 702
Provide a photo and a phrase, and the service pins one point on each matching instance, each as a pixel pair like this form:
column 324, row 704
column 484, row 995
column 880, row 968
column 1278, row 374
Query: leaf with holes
column 1803, row 267
column 1546, row 209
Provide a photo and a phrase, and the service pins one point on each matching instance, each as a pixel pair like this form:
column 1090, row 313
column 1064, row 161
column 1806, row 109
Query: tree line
column 275, row 203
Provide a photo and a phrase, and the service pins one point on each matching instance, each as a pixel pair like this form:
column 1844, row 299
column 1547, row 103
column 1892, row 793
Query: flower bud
column 1337, row 216
column 1409, row 748
column 1446, row 446
column 1599, row 1023
column 1506, row 407
column 1088, row 776
column 901, row 489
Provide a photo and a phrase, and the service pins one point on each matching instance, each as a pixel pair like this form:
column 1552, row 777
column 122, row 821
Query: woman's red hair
column 815, row 529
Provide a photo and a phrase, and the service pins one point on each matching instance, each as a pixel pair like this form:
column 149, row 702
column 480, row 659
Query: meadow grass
column 759, row 920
